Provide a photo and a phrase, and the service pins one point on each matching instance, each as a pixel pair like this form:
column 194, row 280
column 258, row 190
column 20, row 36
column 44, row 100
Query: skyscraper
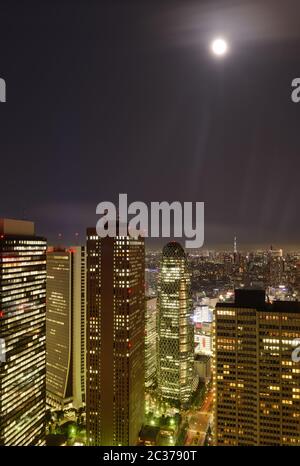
column 115, row 339
column 151, row 342
column 275, row 267
column 175, row 327
column 257, row 383
column 66, row 314
column 22, row 334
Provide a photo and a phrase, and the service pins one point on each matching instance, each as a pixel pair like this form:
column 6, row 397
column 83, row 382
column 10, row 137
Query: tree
column 59, row 415
column 48, row 416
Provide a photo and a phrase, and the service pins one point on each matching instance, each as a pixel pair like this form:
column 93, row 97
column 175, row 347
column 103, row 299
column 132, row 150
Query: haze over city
column 127, row 97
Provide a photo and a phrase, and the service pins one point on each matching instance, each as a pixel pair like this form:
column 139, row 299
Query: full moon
column 219, row 47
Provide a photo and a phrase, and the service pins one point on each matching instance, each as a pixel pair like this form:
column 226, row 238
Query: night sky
column 125, row 96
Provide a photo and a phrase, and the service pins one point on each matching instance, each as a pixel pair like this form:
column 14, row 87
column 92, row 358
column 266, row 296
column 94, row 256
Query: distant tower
column 236, row 257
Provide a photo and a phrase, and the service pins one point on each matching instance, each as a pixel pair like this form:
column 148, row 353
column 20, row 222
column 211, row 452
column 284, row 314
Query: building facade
column 203, row 324
column 116, row 336
column 151, row 343
column 22, row 334
column 65, row 327
column 257, row 383
column 175, row 327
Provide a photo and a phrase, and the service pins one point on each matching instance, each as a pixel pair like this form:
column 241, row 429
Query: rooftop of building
column 257, row 299
column 173, row 249
column 12, row 227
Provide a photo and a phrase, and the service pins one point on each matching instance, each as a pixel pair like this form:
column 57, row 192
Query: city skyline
column 156, row 244
column 154, row 360
column 149, row 227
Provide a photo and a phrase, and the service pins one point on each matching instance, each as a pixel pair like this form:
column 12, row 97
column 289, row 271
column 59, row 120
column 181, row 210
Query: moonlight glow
column 219, row 47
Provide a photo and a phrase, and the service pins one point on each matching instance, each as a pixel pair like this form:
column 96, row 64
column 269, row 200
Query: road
column 199, row 421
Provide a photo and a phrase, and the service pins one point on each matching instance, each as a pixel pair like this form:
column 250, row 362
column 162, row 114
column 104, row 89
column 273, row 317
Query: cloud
column 188, row 23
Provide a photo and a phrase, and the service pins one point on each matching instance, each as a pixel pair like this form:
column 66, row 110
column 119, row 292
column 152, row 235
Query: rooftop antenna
column 59, row 240
column 24, row 214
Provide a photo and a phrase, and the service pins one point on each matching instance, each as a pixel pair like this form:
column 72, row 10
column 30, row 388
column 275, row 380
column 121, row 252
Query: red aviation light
column 1, row 314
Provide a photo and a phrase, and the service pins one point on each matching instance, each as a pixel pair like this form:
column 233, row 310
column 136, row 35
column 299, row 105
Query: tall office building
column 115, row 342
column 257, row 383
column 203, row 318
column 175, row 327
column 22, row 334
column 275, row 267
column 151, row 342
column 65, row 327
